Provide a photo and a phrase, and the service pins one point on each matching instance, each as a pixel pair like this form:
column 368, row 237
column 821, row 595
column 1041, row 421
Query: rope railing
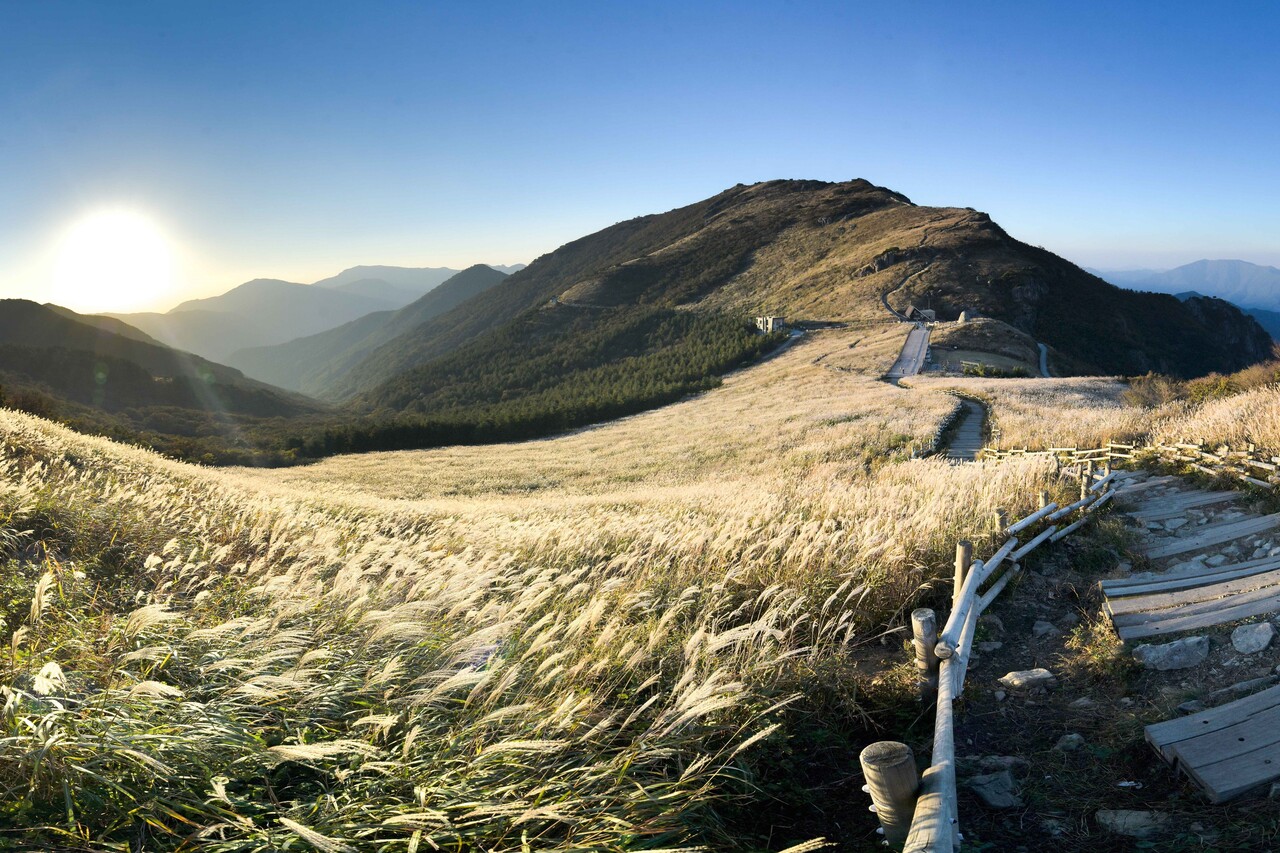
column 942, row 662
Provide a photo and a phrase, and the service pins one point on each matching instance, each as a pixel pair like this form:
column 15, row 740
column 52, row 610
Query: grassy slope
column 560, row 643
column 827, row 252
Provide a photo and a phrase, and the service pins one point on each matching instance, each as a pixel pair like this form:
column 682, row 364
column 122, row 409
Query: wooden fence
column 921, row 810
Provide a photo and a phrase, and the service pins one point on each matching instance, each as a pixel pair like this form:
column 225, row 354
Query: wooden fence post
column 964, row 557
column 1044, row 500
column 892, row 782
column 924, row 630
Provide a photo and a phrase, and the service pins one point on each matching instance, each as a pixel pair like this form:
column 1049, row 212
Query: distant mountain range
column 102, row 375
column 264, row 312
column 1255, row 288
column 1245, row 284
column 321, row 364
column 630, row 317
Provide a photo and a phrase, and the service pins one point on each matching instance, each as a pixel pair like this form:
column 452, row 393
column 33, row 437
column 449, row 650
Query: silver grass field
column 589, row 642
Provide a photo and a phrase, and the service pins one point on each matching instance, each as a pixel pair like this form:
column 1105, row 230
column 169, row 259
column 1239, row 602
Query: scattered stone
column 1258, row 553
column 1070, row 620
column 996, row 790
column 1274, row 552
column 1053, row 826
column 1029, row 679
column 990, row 646
column 1251, row 639
column 1154, row 525
column 1242, row 687
column 1069, row 743
column 1180, row 654
column 1194, row 706
column 1275, row 791
column 1044, row 629
column 1000, row 695
column 1124, row 566
column 993, row 763
column 992, row 621
column 1175, row 523
column 1126, row 701
column 1084, row 702
column 1216, row 560
column 1135, row 824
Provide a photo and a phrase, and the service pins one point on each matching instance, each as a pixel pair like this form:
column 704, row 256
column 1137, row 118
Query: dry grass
column 1250, row 417
column 579, row 643
column 1039, row 413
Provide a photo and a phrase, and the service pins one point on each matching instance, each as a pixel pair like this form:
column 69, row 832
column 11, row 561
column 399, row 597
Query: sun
column 115, row 260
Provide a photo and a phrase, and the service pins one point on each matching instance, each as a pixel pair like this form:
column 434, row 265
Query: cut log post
column 1002, row 520
column 964, row 558
column 924, row 630
column 892, row 781
column 1044, row 499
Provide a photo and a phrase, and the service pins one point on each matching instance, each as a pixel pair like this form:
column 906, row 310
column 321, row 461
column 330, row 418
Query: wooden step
column 1192, row 617
column 1213, row 534
column 1187, row 579
column 1192, row 595
column 1162, row 508
column 1227, row 750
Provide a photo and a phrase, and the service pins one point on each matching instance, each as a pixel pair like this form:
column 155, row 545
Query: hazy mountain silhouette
column 1247, row 285
column 314, row 364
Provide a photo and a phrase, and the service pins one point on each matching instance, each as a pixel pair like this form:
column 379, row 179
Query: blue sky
column 291, row 140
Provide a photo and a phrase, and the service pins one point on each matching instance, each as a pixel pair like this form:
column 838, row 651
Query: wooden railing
column 1249, row 465
column 921, row 811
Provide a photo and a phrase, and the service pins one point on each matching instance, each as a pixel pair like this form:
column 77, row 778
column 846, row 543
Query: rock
column 1054, row 827
column 1029, row 679
column 1069, row 743
column 1216, row 560
column 1242, row 687
column 1275, row 791
column 1194, row 706
column 1251, row 639
column 1084, row 702
column 1175, row 523
column 992, row 621
column 971, row 764
column 1124, row 566
column 1000, row 695
column 1135, row 824
column 1044, row 629
column 1258, row 553
column 990, row 646
column 1274, row 552
column 996, row 790
column 1154, row 525
column 1180, row 654
column 1070, row 620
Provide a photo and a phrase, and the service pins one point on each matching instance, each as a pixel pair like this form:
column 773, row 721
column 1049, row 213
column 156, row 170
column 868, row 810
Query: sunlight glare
column 114, row 260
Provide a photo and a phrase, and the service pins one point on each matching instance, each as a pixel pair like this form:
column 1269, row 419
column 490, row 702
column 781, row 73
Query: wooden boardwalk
column 1221, row 570
column 966, row 440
